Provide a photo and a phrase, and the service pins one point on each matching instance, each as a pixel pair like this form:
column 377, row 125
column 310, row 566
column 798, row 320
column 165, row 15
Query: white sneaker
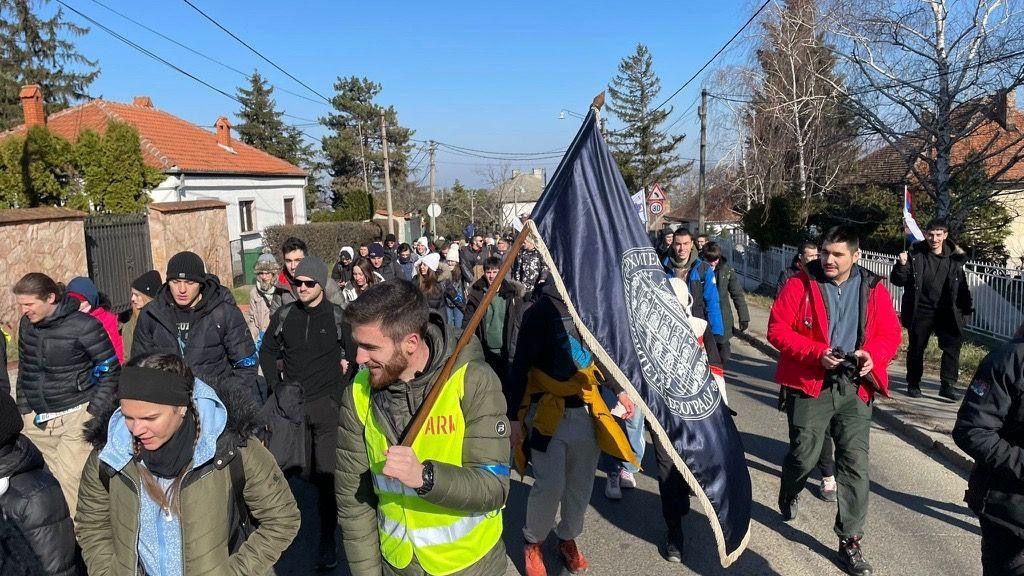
column 611, row 488
column 626, row 479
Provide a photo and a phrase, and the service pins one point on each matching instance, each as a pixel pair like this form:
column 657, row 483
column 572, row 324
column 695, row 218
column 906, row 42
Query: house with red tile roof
column 996, row 128
column 261, row 190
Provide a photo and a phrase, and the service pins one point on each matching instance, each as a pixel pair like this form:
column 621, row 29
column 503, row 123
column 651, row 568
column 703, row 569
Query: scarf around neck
column 170, row 460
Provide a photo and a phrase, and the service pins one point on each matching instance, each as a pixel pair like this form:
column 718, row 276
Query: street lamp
column 563, row 112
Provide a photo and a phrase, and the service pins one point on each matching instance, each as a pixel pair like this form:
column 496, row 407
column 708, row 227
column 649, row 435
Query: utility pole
column 387, row 171
column 362, row 161
column 433, row 226
column 702, row 186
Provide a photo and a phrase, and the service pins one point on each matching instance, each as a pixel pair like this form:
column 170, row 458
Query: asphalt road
column 917, row 524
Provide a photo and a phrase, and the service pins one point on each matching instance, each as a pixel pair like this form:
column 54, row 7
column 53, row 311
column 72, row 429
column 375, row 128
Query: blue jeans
column 634, row 433
column 454, row 317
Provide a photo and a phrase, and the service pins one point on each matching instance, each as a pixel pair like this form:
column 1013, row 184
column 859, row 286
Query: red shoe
column 534, row 560
column 574, row 560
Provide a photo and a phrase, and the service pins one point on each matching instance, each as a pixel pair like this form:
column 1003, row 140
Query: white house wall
column 268, row 194
column 510, row 212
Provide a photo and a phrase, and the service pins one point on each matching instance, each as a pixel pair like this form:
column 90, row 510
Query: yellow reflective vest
column 443, row 540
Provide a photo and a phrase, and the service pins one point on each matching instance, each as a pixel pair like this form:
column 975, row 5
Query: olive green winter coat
column 107, row 521
column 467, row 487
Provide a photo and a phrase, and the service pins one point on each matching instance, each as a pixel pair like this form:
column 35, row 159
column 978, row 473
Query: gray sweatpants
column 564, row 474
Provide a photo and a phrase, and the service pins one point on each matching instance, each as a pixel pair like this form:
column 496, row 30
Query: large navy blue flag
column 612, row 281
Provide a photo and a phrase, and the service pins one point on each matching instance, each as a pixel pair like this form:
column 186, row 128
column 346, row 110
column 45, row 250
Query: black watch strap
column 428, row 478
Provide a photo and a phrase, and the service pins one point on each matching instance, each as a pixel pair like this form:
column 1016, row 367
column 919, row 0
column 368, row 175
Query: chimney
column 143, row 101
column 32, row 105
column 223, row 132
column 1007, row 108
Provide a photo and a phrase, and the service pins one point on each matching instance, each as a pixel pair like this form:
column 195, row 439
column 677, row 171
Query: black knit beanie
column 186, row 266
column 10, row 419
column 148, row 283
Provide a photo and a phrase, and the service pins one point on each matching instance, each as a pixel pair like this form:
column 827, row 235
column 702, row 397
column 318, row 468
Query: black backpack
column 339, row 318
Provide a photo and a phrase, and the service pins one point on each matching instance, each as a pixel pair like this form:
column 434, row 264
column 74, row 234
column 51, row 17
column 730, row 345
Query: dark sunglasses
column 306, row 283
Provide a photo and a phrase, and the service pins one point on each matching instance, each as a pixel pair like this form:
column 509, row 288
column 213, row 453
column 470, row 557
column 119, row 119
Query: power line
column 457, row 148
column 163, row 61
column 196, row 52
column 255, row 51
column 716, row 55
column 503, row 158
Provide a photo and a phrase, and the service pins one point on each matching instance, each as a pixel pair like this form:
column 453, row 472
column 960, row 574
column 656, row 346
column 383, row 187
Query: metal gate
column 117, row 250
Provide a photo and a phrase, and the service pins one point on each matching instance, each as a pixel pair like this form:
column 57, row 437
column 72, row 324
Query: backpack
column 339, row 319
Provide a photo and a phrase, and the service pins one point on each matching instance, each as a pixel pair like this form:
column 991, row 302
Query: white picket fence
column 998, row 293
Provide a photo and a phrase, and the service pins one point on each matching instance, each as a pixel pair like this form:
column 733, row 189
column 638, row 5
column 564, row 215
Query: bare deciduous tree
column 927, row 76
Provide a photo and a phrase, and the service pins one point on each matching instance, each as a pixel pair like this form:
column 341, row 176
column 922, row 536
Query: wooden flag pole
column 467, row 333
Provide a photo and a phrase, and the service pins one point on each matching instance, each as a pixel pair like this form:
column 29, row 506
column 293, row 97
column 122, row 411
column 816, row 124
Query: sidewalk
column 925, row 422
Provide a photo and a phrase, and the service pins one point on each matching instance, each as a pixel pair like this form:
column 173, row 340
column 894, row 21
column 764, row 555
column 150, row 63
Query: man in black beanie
column 31, row 500
column 307, row 335
column 196, row 318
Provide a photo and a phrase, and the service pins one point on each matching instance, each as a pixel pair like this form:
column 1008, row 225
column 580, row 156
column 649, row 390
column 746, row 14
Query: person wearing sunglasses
column 307, row 335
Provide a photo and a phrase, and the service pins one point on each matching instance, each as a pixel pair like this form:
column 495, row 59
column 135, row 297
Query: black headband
column 156, row 386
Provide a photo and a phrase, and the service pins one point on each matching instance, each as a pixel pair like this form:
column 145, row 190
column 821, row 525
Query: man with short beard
column 307, row 337
column 434, row 507
column 836, row 332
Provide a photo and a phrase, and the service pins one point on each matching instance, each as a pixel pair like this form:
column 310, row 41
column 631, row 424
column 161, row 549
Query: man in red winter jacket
column 836, row 331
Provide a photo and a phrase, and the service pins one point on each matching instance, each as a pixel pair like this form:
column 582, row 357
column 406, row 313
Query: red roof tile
column 1002, row 144
column 167, row 141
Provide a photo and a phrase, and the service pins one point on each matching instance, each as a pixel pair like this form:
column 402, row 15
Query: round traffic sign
column 656, row 207
column 434, row 210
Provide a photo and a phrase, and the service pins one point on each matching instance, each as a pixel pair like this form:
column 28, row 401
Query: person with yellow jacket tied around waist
column 434, row 507
column 561, row 426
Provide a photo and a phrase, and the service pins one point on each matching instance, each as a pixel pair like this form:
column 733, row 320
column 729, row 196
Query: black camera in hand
column 850, row 362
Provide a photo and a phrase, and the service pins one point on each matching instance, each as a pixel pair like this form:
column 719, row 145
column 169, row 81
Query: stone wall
column 199, row 226
column 49, row 240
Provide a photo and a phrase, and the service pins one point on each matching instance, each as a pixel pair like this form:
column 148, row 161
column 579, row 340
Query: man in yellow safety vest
column 434, row 508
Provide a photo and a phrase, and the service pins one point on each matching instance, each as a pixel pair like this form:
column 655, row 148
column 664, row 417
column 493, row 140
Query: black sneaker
column 788, row 507
column 328, row 558
column 851, row 558
column 948, row 392
column 674, row 547
column 914, row 390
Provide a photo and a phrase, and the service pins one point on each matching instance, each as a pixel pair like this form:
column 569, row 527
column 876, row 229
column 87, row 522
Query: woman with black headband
column 177, row 483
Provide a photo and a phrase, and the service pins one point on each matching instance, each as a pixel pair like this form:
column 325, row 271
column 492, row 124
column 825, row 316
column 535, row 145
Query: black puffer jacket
column 65, row 360
column 35, row 504
column 219, row 345
column 990, row 429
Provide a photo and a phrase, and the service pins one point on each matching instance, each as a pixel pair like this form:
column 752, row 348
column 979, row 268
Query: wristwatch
column 428, row 478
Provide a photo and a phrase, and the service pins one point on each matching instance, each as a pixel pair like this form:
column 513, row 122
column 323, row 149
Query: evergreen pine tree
column 356, row 116
column 34, row 50
column 644, row 152
column 261, row 125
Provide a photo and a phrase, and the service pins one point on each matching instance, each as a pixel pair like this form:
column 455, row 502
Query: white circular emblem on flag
column 672, row 361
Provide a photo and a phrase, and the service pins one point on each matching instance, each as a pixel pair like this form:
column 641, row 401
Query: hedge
column 324, row 239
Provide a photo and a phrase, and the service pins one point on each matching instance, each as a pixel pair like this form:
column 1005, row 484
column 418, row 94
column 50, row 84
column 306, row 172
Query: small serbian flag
column 908, row 217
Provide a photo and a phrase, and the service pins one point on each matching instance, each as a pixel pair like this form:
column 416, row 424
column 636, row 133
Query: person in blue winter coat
column 713, row 283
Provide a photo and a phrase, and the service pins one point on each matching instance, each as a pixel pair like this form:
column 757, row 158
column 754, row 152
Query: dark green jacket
column 108, row 518
column 468, row 487
column 730, row 285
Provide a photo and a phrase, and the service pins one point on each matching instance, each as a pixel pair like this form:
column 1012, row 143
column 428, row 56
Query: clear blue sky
column 484, row 75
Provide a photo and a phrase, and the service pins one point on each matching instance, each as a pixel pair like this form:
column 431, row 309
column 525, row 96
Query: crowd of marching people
column 163, row 440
